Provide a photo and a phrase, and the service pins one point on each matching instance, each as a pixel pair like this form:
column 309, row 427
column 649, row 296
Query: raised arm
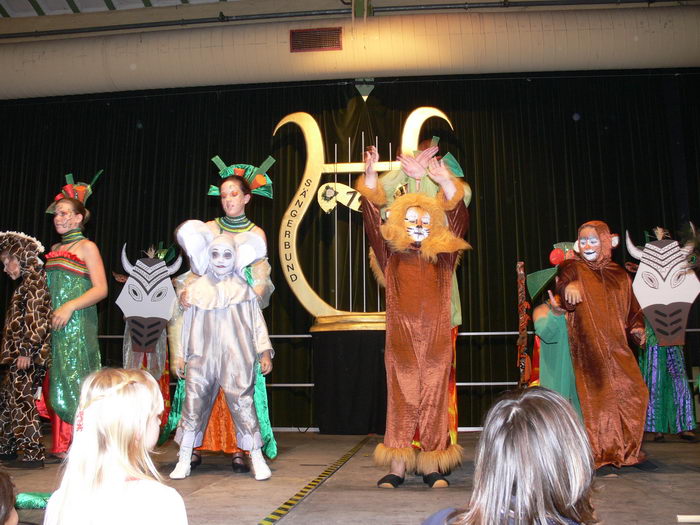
column 371, row 175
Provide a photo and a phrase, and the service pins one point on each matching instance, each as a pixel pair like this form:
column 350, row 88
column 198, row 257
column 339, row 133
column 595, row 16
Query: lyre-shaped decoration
column 327, row 317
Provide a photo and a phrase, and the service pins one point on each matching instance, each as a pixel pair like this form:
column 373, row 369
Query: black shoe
column 390, row 481
column 436, row 480
column 19, row 464
column 238, row 463
column 647, row 466
column 196, row 460
column 606, row 471
column 8, row 457
column 53, row 459
column 691, row 438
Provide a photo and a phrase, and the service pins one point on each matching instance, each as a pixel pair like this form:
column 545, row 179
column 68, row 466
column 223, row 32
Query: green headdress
column 80, row 191
column 260, row 183
column 538, row 281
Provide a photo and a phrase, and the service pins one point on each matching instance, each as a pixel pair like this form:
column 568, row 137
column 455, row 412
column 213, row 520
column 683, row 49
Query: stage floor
column 323, row 479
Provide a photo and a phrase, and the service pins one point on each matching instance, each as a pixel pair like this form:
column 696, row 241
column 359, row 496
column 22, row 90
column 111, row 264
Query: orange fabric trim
column 220, row 435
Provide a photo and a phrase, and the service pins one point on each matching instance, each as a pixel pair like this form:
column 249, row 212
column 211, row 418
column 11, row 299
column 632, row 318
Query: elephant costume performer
column 223, row 336
column 416, row 251
column 602, row 314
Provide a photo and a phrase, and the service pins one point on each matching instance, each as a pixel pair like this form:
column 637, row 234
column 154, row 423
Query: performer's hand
column 183, row 300
column 411, row 167
column 23, row 362
column 61, row 316
column 438, row 171
column 371, row 158
column 425, row 156
column 554, row 304
column 572, row 293
column 177, row 367
column 440, row 174
column 265, row 363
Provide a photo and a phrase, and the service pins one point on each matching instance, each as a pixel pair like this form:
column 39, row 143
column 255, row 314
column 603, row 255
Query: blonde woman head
column 533, row 463
column 115, row 428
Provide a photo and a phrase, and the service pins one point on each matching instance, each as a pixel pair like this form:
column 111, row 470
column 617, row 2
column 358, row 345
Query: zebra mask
column 665, row 287
column 147, row 299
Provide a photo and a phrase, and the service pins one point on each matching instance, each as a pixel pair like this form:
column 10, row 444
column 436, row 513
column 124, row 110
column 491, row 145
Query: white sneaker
column 260, row 468
column 183, row 467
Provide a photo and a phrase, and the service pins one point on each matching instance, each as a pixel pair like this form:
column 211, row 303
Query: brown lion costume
column 418, row 357
column 27, row 333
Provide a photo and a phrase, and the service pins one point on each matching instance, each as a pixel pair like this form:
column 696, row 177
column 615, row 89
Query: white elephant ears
column 194, row 237
column 250, row 247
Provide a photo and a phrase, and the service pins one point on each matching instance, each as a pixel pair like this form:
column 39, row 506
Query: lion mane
column 440, row 240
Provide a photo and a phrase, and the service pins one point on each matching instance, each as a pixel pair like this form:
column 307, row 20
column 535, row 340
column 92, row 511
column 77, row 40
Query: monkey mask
column 595, row 244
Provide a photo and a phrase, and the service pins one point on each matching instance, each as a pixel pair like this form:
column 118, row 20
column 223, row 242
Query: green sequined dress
column 75, row 351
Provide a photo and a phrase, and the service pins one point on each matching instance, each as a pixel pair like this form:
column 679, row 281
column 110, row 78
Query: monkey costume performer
column 602, row 314
column 416, row 251
column 25, row 353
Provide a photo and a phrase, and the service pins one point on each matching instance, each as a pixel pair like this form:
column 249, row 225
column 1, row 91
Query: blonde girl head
column 115, row 428
column 533, row 463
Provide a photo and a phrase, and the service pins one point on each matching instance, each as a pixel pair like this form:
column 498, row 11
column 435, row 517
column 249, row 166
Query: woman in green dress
column 556, row 369
column 76, row 280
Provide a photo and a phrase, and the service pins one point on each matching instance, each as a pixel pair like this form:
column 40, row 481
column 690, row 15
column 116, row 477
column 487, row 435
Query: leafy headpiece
column 257, row 178
column 538, row 281
column 80, row 191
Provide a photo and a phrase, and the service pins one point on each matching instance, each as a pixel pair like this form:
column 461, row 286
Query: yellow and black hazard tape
column 281, row 511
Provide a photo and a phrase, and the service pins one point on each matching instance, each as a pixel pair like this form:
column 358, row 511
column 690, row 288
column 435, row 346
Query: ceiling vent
column 321, row 39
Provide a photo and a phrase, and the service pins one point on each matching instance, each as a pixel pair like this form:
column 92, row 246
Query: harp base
column 350, row 322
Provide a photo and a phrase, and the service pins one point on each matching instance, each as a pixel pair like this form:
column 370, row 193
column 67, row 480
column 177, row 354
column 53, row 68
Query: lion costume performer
column 416, row 252
column 26, row 346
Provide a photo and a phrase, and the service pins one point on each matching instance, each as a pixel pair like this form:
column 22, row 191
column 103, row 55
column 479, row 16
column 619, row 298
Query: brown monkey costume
column 27, row 333
column 418, row 279
column 610, row 386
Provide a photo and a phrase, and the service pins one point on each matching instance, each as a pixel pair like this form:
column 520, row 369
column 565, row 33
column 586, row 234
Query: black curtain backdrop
column 542, row 154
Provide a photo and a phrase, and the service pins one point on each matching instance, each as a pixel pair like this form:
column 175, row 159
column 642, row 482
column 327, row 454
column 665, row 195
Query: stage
column 323, row 479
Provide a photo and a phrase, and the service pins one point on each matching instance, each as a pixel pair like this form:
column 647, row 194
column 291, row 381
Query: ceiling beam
column 73, row 6
column 37, row 7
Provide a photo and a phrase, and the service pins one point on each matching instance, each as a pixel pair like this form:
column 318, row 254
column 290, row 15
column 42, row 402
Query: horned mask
column 147, row 298
column 665, row 287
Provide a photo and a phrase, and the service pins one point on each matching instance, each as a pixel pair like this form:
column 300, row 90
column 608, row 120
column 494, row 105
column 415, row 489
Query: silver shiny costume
column 223, row 334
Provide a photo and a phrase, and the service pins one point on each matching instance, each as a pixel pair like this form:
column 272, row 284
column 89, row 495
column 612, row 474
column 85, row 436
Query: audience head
column 116, row 426
column 8, row 514
column 533, row 463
